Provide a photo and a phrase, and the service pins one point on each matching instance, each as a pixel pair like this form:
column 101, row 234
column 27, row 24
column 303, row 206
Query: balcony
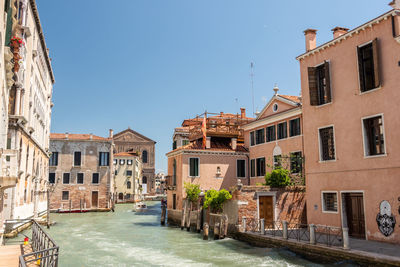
column 8, row 167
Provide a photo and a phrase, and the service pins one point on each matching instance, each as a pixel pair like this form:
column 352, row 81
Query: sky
column 150, row 64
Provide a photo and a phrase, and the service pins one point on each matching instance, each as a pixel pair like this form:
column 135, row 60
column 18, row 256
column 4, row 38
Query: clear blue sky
column 149, row 64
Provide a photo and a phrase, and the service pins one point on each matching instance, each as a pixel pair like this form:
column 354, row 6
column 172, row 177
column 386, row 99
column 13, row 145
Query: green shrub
column 216, row 199
column 279, row 177
column 192, row 191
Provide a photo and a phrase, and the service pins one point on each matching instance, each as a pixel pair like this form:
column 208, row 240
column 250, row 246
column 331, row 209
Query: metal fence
column 45, row 250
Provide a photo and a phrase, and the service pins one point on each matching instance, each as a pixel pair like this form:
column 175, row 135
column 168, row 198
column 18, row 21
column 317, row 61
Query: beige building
column 132, row 141
column 81, row 172
column 350, row 88
column 29, row 79
column 128, row 177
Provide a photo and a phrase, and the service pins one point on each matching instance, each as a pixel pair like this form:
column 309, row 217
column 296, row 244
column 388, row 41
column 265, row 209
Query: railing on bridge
column 309, row 233
column 45, row 250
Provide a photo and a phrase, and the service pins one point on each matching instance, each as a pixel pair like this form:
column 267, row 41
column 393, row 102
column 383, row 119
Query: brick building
column 80, row 172
column 128, row 177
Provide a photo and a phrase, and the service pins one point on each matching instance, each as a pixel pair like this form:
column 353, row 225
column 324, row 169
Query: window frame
column 98, row 177
column 324, row 64
column 290, row 127
column 198, row 168
column 274, row 135
column 365, row 137
column 260, row 138
column 252, row 168
column 83, row 178
column 101, row 163
column 252, row 138
column 277, row 132
column 50, row 160
column 376, row 72
column 237, row 169
column 257, row 166
column 121, row 160
column 130, row 172
column 301, row 158
column 69, row 178
column 320, row 145
column 62, row 195
column 54, row 177
column 80, row 159
column 323, row 207
column 129, row 162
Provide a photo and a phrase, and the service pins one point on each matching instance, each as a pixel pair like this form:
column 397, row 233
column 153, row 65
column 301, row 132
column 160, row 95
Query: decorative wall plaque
column 385, row 219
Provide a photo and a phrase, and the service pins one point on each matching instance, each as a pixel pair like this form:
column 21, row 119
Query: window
column 128, row 196
column 241, row 168
column 144, row 180
column 116, row 172
column 253, row 168
column 66, row 177
column 104, row 158
column 271, row 134
column 294, row 127
column 174, row 145
column 319, row 84
column 368, row 67
column 174, row 173
column 252, row 139
column 52, row 177
column 128, row 185
column 282, row 130
column 193, row 167
column 174, row 201
column 327, row 144
column 260, row 166
column 121, row 162
column 275, row 107
column 115, row 161
column 185, row 142
column 79, row 178
column 77, row 158
column 128, row 173
column 260, row 136
column 144, row 156
column 374, row 140
column 329, row 203
column 296, row 162
column 129, row 162
column 53, row 158
column 65, row 195
column 277, row 161
column 95, row 178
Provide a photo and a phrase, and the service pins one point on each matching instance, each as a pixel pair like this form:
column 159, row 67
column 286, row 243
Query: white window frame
column 189, row 167
column 73, row 159
column 62, row 195
column 358, row 71
column 245, row 167
column 364, row 136
column 323, row 208
column 69, row 181
column 330, row 83
column 320, row 147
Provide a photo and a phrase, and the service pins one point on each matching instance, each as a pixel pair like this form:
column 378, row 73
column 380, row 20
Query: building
column 275, row 138
column 27, row 82
column 216, row 165
column 132, row 141
column 81, row 172
column 180, row 137
column 350, row 89
column 160, row 183
column 128, row 177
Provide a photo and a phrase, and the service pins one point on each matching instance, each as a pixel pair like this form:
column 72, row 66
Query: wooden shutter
column 312, row 84
column 376, row 63
column 327, row 82
column 361, row 69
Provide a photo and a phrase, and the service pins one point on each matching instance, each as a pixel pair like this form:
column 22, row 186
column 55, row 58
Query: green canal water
column 126, row 238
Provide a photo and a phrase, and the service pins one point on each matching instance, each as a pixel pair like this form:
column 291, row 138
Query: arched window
column 128, row 185
column 144, row 156
column 144, row 180
column 121, row 196
column 174, row 173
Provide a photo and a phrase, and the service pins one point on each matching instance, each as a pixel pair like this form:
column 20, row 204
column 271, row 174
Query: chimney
column 111, row 135
column 66, row 135
column 222, row 114
column 242, row 113
column 91, row 136
column 208, row 142
column 234, row 143
column 311, row 39
column 395, row 4
column 339, row 31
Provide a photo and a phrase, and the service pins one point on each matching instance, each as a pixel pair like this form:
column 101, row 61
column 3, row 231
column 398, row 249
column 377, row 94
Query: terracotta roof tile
column 293, row 98
column 63, row 136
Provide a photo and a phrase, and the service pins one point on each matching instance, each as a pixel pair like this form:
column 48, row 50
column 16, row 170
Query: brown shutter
column 376, row 62
column 360, row 70
column 312, row 83
column 328, row 82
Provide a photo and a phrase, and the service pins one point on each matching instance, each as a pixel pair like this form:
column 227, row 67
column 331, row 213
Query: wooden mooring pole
column 189, row 217
column 205, row 231
column 183, row 215
column 216, row 230
column 198, row 221
column 163, row 213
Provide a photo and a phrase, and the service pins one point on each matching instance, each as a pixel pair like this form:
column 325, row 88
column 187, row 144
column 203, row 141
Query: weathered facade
column 132, row 141
column 80, row 172
column 128, row 177
column 350, row 88
column 29, row 79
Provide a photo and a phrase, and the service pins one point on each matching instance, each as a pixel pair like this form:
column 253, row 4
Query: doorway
column 120, row 196
column 354, row 210
column 266, row 210
column 95, row 199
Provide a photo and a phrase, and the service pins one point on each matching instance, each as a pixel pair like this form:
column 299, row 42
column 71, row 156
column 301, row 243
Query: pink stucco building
column 351, row 90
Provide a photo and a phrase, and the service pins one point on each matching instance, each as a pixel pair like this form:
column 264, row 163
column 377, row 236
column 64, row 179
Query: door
column 95, row 199
column 266, row 210
column 355, row 214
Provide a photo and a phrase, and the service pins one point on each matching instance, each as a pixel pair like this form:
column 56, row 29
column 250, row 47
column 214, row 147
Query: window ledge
column 255, row 177
column 323, row 105
column 327, row 161
column 193, row 176
column 331, row 212
column 375, row 156
column 370, row 91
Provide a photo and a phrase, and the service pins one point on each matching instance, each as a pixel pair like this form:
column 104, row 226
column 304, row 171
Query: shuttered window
column 373, row 128
column 53, row 159
column 252, row 139
column 260, row 137
column 319, row 83
column 260, row 166
column 253, row 168
column 104, row 158
column 79, row 178
column 95, row 178
column 282, row 130
column 368, row 66
column 271, row 133
column 327, row 144
column 330, row 202
column 241, row 168
column 66, row 177
column 52, row 177
column 294, row 127
column 194, row 167
column 65, row 195
column 77, row 158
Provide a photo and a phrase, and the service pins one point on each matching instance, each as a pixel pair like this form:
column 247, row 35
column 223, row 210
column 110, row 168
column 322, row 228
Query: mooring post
column 262, row 226
column 244, row 224
column 70, row 205
column 221, row 228
column 346, row 240
column 216, row 230
column 284, row 230
column 312, row 234
column 225, row 225
column 205, row 231
column 198, row 222
column 189, row 215
column 163, row 212
column 183, row 215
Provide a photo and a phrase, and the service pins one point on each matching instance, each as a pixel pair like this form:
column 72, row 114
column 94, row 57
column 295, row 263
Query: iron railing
column 45, row 250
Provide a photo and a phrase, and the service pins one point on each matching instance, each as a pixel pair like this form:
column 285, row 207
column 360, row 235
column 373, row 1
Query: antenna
column 252, row 82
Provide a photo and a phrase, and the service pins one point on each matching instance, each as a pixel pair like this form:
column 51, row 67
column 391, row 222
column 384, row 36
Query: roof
column 126, row 154
column 135, row 133
column 63, row 136
column 295, row 101
column 293, row 98
column 215, row 146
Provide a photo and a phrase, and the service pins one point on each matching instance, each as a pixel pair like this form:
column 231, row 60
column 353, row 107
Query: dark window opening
column 319, row 84
column 296, row 162
column 79, row 178
column 52, row 177
column 368, row 66
column 65, row 195
column 104, row 158
column 253, row 168
column 327, row 143
column 271, row 133
column 260, row 136
column 77, row 158
column 53, row 158
column 241, row 168
column 282, row 130
column 294, row 127
column 95, row 178
column 66, row 177
column 374, row 136
column 260, row 166
column 194, row 167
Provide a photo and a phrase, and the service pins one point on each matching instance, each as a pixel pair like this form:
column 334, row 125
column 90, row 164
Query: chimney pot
column 242, row 113
column 91, row 136
column 222, row 114
column 111, row 135
column 311, row 39
column 339, row 31
column 66, row 135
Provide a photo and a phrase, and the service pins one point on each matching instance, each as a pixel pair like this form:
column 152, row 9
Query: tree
column 278, row 177
column 216, row 199
column 192, row 192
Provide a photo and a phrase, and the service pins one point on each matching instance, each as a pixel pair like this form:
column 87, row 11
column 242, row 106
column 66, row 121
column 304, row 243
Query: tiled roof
column 125, row 154
column 293, row 98
column 63, row 136
column 215, row 146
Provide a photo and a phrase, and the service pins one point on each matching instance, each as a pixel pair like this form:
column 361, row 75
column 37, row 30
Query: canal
column 126, row 238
